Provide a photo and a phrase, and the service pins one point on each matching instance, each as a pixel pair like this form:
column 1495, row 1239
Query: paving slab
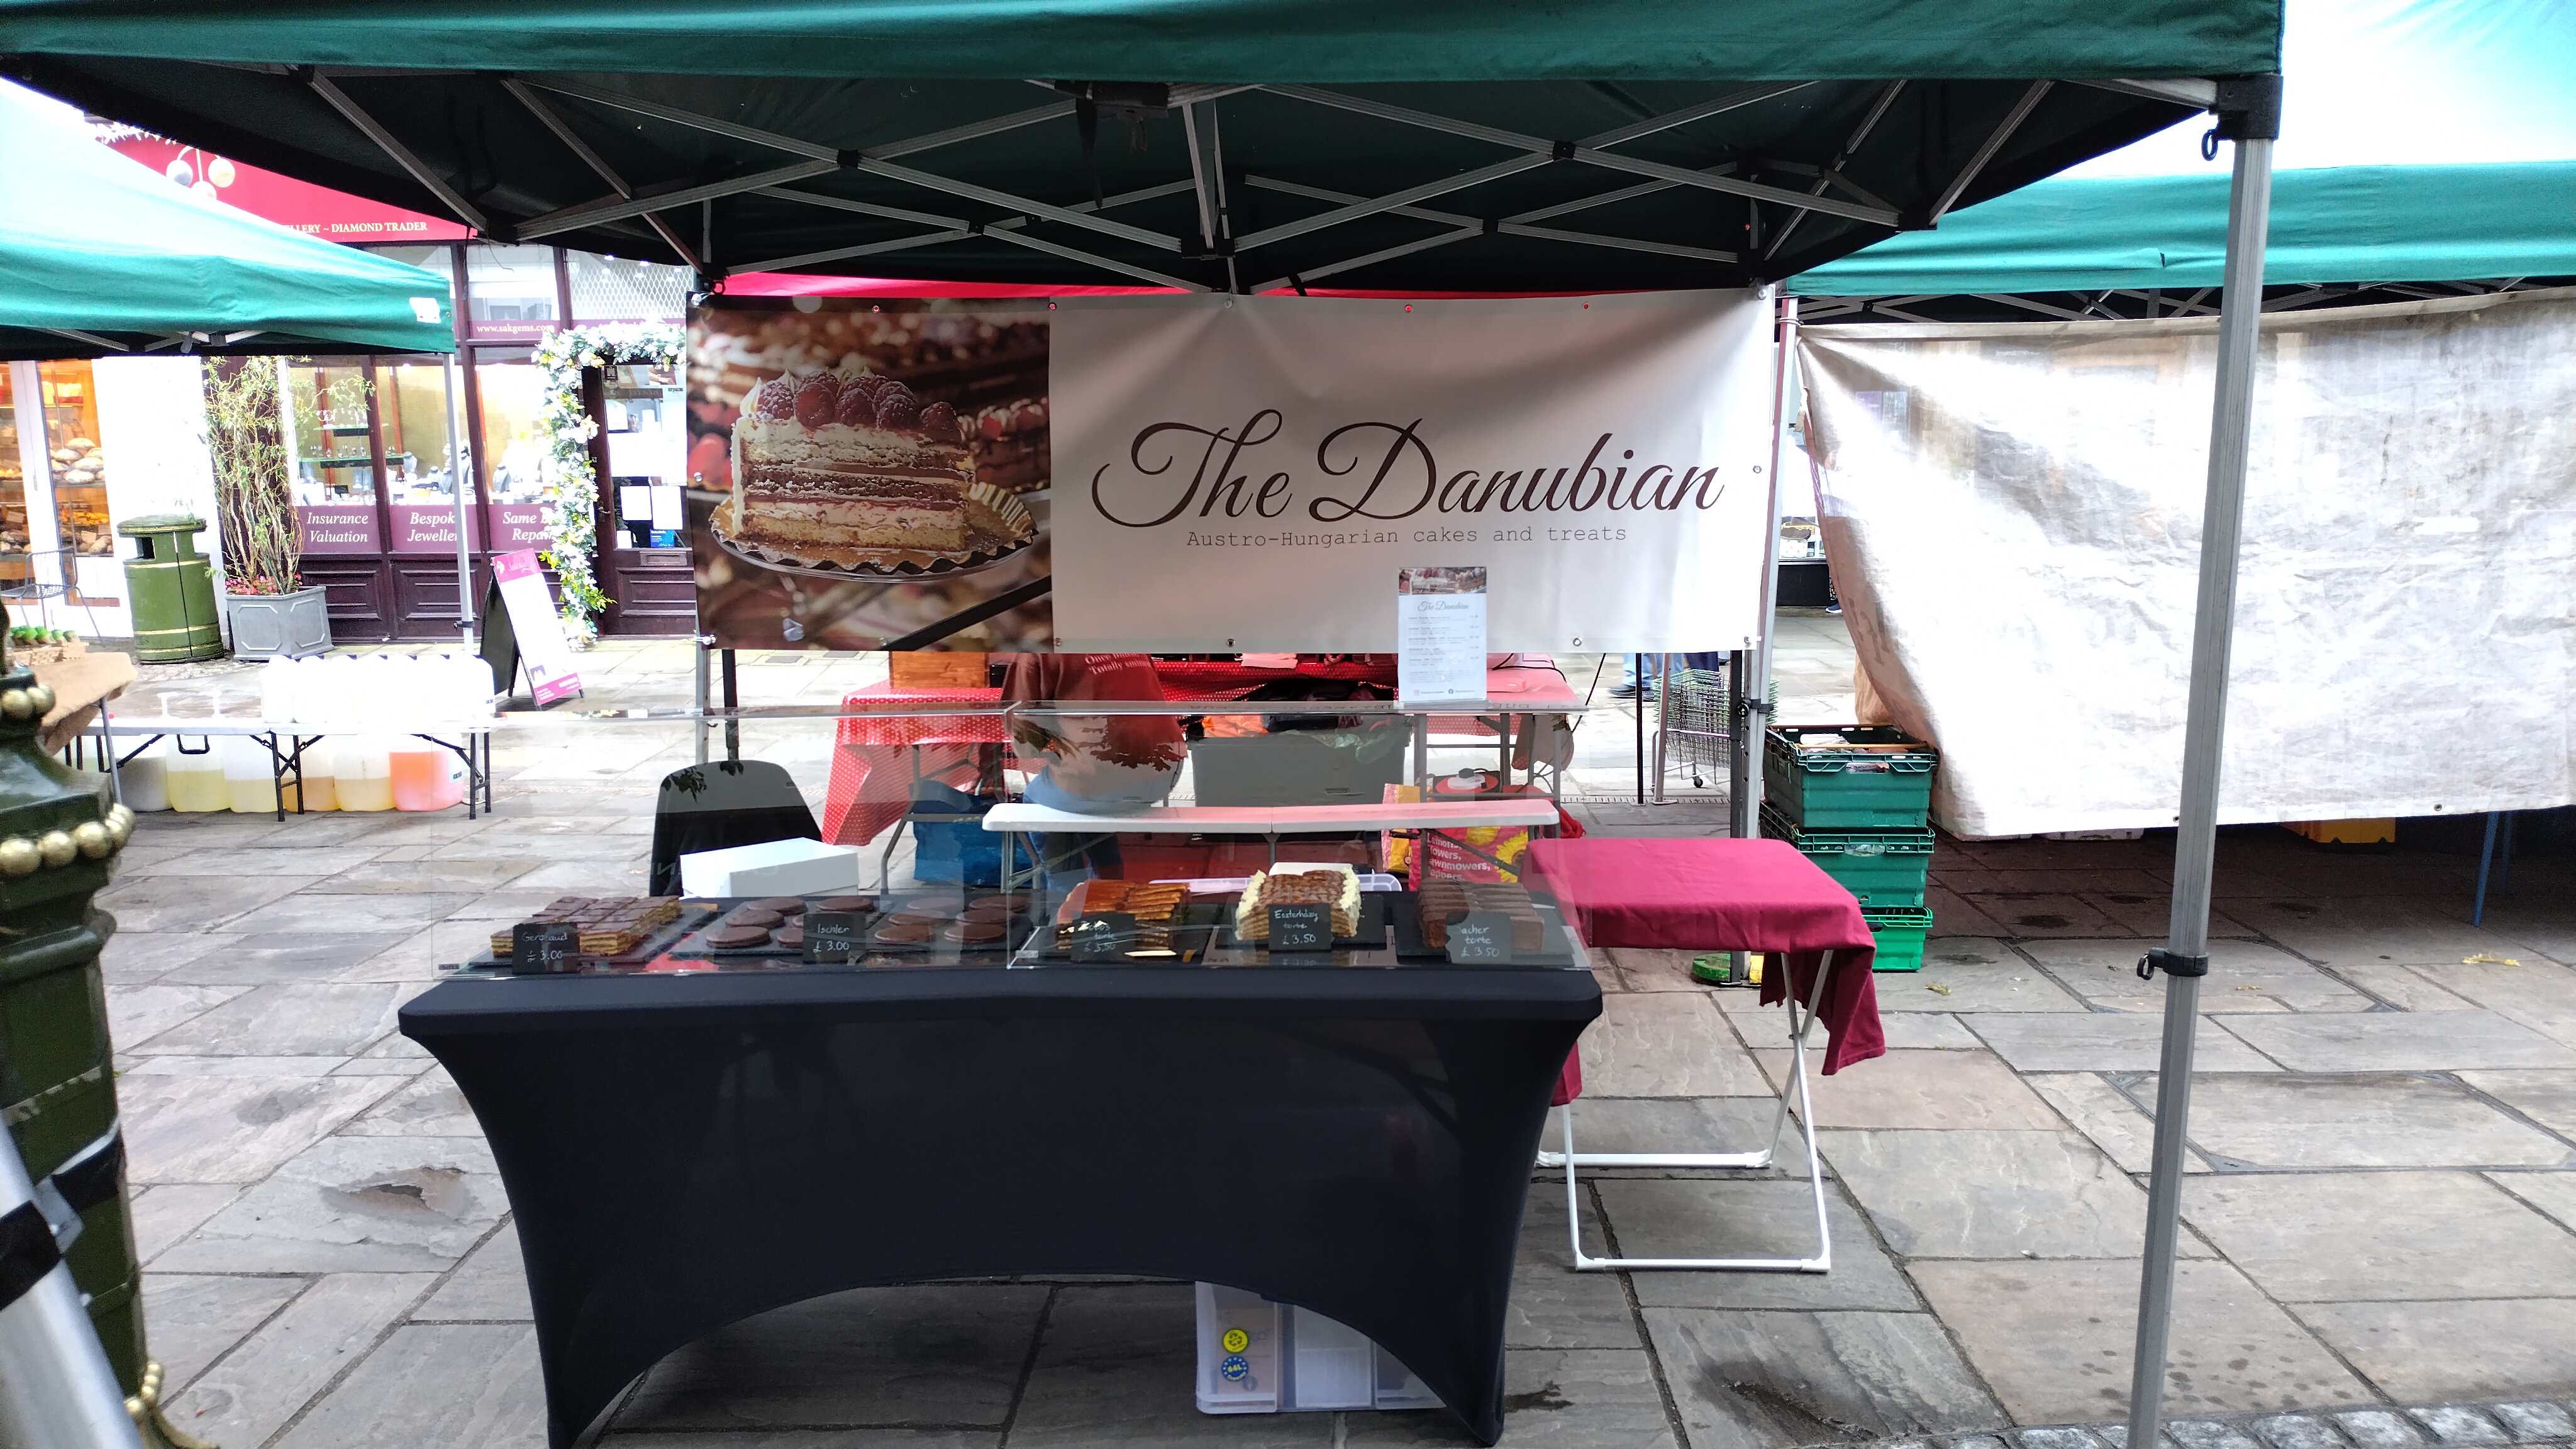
column 1575, row 1398
column 1924, row 1030
column 490, row 1286
column 2360, row 932
column 1552, row 1305
column 2385, row 1120
column 267, row 1379
column 196, row 1318
column 2420, row 1352
column 191, row 903
column 2403, row 987
column 1984, row 1194
column 2379, row 1236
column 1116, row 1367
column 193, row 1129
column 428, row 1105
column 809, row 1439
column 1972, row 974
column 2108, row 1118
column 309, row 911
column 133, row 957
column 1919, row 1089
column 2108, row 1042
column 2400, row 1041
column 1707, row 1218
column 455, row 1385
column 2538, row 994
column 305, row 1019
column 2553, row 1193
column 253, row 959
column 136, row 1014
column 244, row 863
column 355, row 1205
column 2055, row 1340
column 1675, row 1124
column 165, row 1214
column 2244, row 976
column 1762, row 1380
column 1665, row 1044
column 870, row 1356
column 2027, row 914
column 486, row 870
column 2546, row 1097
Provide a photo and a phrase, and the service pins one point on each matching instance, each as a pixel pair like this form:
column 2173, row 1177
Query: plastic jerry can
column 321, row 788
column 362, row 773
column 194, row 782
column 143, row 780
column 250, row 779
column 426, row 776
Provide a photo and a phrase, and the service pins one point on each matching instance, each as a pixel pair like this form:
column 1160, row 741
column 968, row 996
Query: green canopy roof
column 2342, row 224
column 1454, row 145
column 98, row 255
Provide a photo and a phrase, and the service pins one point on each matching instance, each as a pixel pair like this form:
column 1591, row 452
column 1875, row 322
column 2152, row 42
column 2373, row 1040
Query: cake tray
column 987, row 547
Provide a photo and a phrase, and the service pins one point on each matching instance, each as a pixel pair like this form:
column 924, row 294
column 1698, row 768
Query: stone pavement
column 2382, row 1209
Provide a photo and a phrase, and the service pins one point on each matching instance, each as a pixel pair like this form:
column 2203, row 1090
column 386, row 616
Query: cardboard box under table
column 1740, row 895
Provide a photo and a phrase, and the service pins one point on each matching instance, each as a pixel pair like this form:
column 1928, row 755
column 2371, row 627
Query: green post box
column 172, row 589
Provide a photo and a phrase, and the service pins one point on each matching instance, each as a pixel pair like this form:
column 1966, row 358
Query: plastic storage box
column 1847, row 777
column 1880, row 867
column 1260, row 1357
column 1900, row 931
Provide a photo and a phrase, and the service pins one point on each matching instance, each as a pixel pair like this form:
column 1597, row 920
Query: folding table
column 1752, row 895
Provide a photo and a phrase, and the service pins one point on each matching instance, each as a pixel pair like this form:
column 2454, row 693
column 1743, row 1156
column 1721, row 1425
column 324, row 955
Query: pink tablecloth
column 1711, row 895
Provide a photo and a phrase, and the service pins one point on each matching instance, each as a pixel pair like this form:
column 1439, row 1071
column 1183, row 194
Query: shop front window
column 648, row 451
column 614, row 289
column 79, row 462
column 420, row 475
column 515, row 462
column 510, row 291
column 15, row 572
column 326, row 414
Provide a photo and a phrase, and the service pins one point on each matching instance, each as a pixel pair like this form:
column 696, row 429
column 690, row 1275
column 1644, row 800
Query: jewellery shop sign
column 1248, row 473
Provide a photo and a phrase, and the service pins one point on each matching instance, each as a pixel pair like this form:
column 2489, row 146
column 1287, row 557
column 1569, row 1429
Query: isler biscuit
column 1442, row 901
column 609, row 926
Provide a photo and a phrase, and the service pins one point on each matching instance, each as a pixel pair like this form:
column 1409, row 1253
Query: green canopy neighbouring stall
column 100, row 256
column 2342, row 224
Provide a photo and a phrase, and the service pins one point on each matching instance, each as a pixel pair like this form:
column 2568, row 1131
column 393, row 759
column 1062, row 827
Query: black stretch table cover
column 683, row 1152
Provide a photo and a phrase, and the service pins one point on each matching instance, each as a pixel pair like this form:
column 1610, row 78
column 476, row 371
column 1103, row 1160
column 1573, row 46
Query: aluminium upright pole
column 1754, row 706
column 2249, row 113
column 461, row 475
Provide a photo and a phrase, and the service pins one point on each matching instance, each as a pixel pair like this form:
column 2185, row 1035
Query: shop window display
column 326, row 415
column 14, row 570
column 616, row 289
column 420, row 477
column 514, row 457
column 646, row 417
column 510, row 291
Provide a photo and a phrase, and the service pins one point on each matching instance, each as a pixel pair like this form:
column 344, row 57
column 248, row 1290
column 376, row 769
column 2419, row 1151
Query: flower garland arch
column 570, row 482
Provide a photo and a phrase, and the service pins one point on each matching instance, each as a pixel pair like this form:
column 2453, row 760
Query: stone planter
column 265, row 626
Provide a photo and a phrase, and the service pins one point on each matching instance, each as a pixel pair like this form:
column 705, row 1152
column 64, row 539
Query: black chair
column 720, row 805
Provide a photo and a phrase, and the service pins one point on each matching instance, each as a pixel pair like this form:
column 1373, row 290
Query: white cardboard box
column 771, row 868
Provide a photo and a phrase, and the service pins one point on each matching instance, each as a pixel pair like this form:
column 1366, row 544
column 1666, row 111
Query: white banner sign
column 1248, row 473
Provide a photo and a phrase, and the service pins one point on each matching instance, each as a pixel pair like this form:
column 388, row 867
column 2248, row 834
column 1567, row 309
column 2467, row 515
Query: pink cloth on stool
column 1733, row 895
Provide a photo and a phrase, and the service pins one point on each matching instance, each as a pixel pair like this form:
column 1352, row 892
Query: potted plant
column 267, row 606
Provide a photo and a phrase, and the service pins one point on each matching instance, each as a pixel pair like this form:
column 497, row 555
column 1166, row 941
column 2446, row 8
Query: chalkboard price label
column 835, row 936
column 544, row 950
column 1480, row 936
column 1101, row 936
column 1306, row 926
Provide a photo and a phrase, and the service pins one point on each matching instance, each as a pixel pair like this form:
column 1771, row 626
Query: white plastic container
column 1260, row 1357
column 250, row 779
column 142, row 780
column 277, row 690
column 426, row 775
column 194, row 783
column 771, row 868
column 362, row 772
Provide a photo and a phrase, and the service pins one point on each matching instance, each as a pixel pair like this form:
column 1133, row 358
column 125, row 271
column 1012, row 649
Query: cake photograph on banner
column 868, row 474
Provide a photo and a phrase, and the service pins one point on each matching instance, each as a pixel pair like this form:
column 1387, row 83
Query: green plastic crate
column 1881, row 868
column 1900, row 931
column 1873, row 777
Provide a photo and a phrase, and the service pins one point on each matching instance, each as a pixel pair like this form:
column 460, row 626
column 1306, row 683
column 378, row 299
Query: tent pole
column 1754, row 708
column 462, row 476
column 2252, row 122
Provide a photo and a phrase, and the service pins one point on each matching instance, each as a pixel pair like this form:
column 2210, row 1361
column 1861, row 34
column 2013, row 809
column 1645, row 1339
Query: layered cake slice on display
column 833, row 462
column 1337, row 886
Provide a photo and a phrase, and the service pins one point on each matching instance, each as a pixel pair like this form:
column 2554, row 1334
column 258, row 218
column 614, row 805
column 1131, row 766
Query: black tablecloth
column 682, row 1152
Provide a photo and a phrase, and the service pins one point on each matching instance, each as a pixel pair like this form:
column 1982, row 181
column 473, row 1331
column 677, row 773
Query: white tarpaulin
column 1247, row 473
column 2013, row 516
